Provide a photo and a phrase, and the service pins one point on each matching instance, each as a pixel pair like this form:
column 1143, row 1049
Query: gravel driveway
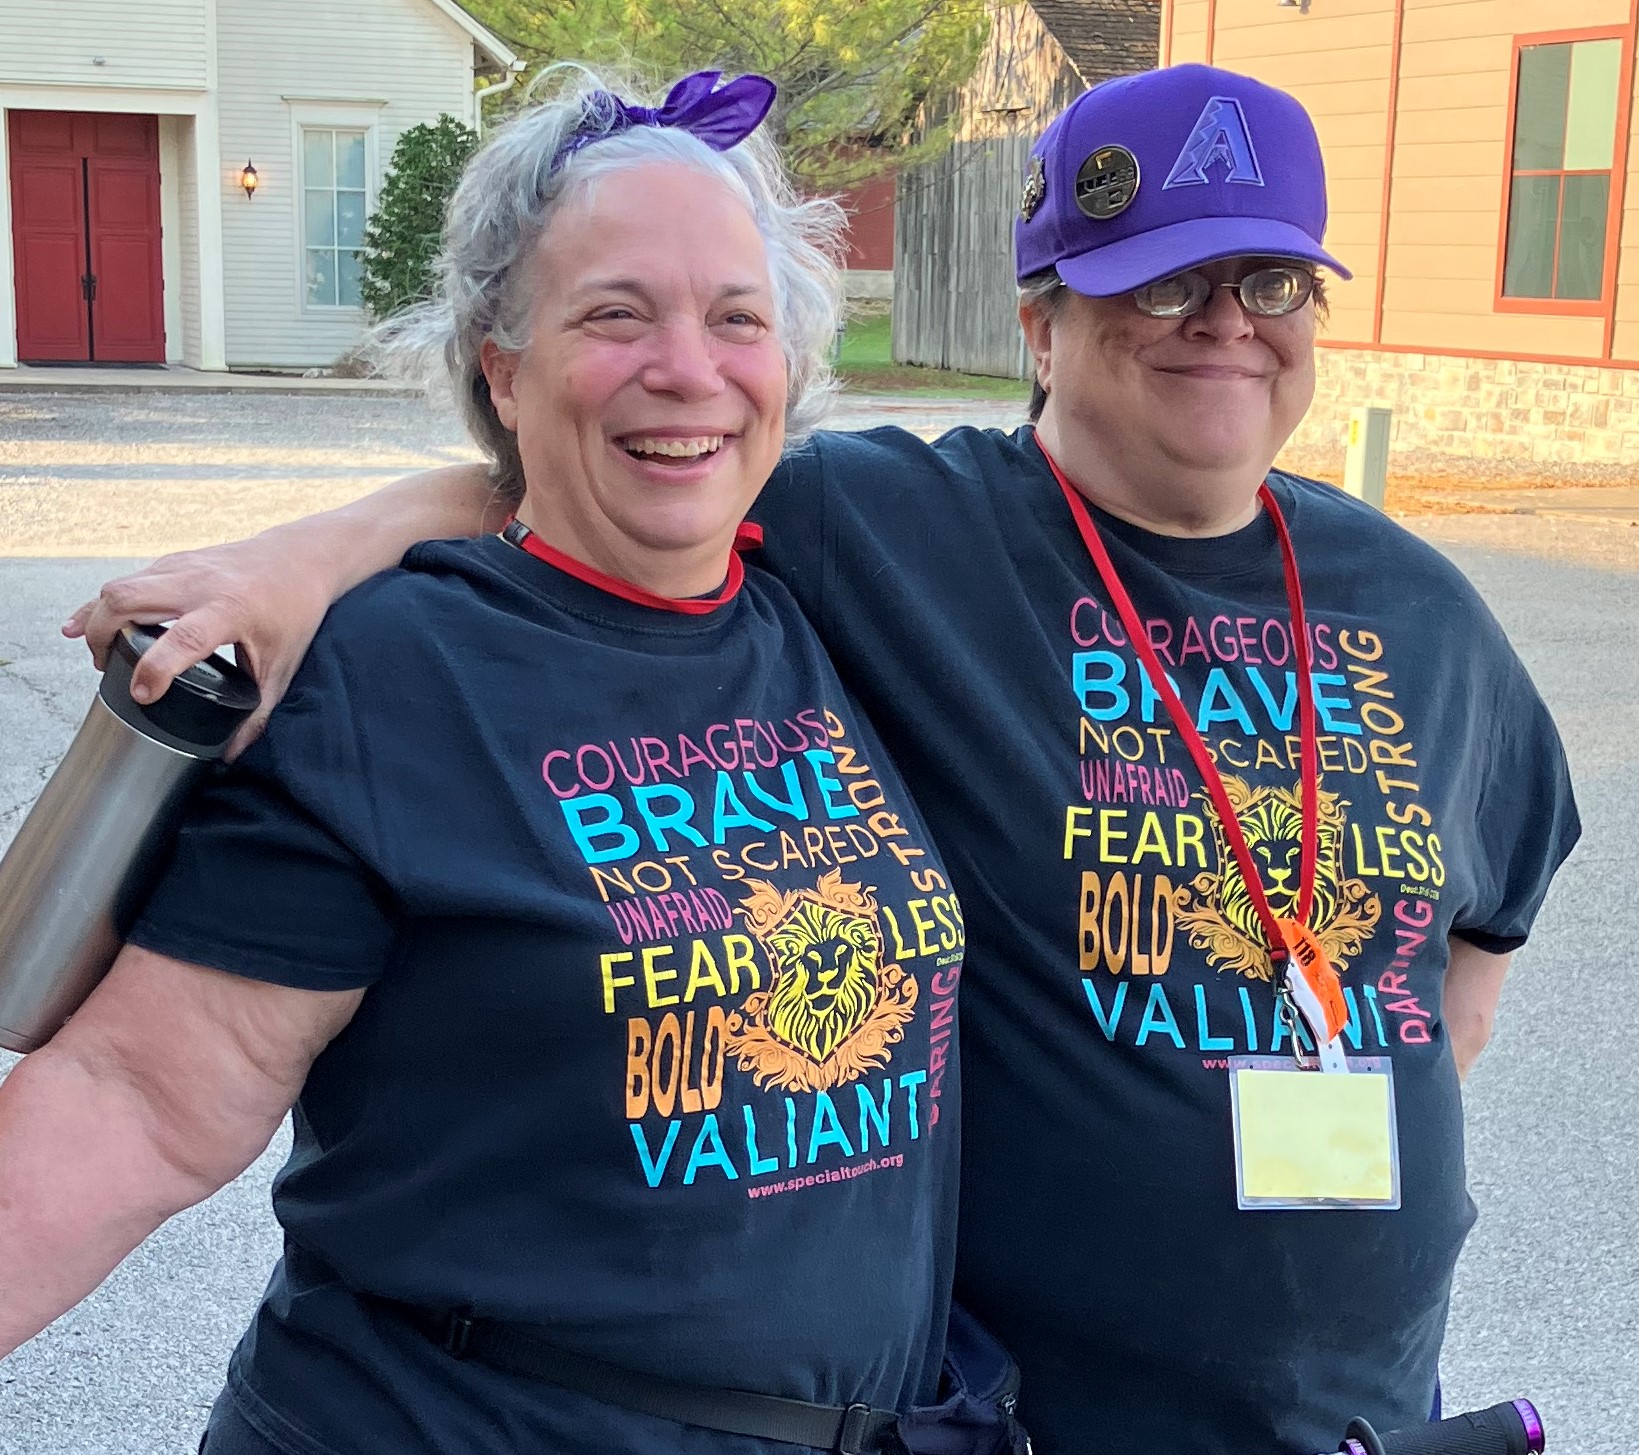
column 1548, row 1297
column 138, row 475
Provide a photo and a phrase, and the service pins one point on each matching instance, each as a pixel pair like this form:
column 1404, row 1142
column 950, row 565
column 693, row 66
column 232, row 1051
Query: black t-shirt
column 1113, row 961
column 657, row 1049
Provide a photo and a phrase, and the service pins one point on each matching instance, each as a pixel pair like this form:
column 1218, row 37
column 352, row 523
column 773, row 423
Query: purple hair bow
column 721, row 116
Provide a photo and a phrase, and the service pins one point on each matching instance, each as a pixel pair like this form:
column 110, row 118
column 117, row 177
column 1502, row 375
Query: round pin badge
column 1035, row 189
column 1107, row 182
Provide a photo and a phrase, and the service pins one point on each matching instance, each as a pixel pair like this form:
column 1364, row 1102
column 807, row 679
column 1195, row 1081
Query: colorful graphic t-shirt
column 1115, row 963
column 658, row 1047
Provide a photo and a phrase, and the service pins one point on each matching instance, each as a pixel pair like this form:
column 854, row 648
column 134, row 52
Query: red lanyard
column 747, row 538
column 1307, row 727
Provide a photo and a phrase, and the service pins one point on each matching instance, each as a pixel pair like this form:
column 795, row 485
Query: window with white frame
column 335, row 203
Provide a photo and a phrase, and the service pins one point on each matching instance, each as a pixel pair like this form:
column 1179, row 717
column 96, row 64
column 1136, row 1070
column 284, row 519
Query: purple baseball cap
column 1144, row 176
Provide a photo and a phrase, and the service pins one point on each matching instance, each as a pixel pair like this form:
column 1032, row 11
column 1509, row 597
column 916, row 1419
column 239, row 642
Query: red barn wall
column 870, row 223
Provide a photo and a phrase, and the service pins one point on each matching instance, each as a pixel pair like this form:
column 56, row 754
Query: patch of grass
column 867, row 343
column 865, row 365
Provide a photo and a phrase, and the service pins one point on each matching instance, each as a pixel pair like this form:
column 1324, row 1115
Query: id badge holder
column 1314, row 1139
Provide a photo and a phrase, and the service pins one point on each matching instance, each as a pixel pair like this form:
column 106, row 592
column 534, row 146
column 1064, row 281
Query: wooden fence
column 954, row 301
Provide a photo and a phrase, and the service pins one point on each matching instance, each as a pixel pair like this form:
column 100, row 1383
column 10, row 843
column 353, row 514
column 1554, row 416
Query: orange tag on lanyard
column 1315, row 990
column 1308, row 960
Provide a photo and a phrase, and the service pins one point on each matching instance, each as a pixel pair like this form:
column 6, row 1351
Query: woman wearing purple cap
column 1247, row 797
column 570, row 901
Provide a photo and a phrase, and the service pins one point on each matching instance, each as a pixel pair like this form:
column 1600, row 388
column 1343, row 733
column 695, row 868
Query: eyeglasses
column 1266, row 293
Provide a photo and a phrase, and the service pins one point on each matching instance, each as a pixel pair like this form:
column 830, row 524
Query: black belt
column 855, row 1429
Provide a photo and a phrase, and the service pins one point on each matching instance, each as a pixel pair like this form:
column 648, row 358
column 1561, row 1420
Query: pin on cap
column 1035, row 189
column 1107, row 182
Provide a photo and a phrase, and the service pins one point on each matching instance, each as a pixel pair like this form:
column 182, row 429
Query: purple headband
column 720, row 116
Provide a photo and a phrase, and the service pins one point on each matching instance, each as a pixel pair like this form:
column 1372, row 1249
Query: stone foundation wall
column 873, row 283
column 1480, row 408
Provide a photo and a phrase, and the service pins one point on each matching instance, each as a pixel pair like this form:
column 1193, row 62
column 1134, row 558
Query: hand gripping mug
column 85, row 858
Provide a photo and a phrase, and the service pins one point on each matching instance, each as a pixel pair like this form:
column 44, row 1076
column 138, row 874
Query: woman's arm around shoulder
column 166, row 1085
column 267, row 595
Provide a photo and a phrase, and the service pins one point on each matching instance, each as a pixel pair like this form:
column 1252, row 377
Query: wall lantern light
column 249, row 180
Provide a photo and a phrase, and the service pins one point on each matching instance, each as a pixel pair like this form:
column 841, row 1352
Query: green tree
column 402, row 238
column 851, row 73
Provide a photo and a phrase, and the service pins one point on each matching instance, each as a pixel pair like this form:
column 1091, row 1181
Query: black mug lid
column 204, row 705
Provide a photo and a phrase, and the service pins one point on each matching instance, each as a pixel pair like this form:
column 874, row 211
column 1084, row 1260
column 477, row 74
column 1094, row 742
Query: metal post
column 1366, row 463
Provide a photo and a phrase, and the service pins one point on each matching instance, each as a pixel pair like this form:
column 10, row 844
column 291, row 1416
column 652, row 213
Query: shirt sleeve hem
column 1491, row 944
column 231, row 960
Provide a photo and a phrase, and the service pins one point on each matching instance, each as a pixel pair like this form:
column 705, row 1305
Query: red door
column 86, row 235
column 48, row 238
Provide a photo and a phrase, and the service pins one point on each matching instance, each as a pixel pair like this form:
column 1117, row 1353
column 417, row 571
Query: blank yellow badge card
column 1315, row 1139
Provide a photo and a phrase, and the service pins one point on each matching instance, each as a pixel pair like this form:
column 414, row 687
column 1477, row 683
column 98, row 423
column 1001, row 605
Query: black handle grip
column 1500, row 1430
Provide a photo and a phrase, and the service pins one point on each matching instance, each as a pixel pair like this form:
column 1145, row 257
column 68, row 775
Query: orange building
column 1485, row 190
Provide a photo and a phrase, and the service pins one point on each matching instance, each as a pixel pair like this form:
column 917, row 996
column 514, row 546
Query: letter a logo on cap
column 1219, row 136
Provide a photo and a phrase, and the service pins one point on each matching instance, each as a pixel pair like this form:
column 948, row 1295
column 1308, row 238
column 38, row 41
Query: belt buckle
column 856, row 1428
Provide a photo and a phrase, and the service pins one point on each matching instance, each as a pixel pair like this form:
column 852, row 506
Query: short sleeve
column 274, row 875
column 258, row 888
column 1528, row 822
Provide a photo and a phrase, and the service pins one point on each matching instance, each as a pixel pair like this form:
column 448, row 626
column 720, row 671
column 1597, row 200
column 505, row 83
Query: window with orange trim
column 1564, row 148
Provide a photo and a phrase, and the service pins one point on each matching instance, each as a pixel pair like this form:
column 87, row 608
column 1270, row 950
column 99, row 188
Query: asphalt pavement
column 1547, row 1301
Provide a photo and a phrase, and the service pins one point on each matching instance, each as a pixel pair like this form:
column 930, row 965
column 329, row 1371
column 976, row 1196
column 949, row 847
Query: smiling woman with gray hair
column 515, row 185
column 566, row 899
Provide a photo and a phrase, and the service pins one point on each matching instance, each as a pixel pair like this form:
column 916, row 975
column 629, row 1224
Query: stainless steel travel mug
column 76, row 875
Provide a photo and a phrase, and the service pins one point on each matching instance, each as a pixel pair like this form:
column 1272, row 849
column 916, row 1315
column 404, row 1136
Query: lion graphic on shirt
column 832, row 1008
column 1222, row 921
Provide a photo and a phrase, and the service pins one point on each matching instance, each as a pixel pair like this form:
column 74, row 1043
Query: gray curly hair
column 509, row 193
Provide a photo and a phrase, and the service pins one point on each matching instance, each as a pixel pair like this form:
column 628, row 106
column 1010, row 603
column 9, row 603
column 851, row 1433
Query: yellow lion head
column 825, row 961
column 1222, row 920
column 832, row 1006
column 1272, row 820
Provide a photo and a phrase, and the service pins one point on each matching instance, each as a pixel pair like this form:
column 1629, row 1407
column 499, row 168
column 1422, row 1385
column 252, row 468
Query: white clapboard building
column 186, row 181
